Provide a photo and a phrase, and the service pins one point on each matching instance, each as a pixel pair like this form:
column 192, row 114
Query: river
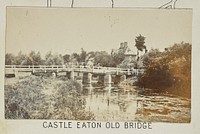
column 116, row 103
column 136, row 104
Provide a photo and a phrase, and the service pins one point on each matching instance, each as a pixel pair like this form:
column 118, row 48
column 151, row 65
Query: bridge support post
column 70, row 75
column 108, row 80
column 16, row 73
column 128, row 72
column 54, row 74
column 33, row 70
column 87, row 78
column 101, row 80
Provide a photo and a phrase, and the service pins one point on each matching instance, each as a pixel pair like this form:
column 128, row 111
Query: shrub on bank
column 23, row 98
column 169, row 70
column 34, row 97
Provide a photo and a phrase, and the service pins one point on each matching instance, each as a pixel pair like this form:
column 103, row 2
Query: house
column 131, row 55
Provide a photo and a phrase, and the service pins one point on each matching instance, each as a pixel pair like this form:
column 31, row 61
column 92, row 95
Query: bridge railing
column 76, row 68
column 34, row 66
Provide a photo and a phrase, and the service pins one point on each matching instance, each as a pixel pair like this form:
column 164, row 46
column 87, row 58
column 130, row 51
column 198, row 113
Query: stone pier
column 101, row 80
column 33, row 71
column 87, row 78
column 70, row 75
column 107, row 80
column 16, row 73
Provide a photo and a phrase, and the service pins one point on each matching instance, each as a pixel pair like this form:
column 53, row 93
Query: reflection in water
column 121, row 104
column 110, row 104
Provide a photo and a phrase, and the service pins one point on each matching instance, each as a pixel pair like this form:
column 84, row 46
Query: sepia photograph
column 98, row 64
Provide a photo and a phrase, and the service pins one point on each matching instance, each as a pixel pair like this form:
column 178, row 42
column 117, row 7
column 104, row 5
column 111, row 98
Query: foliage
column 103, row 58
column 55, row 59
column 126, row 63
column 83, row 55
column 9, row 59
column 153, row 53
column 75, row 58
column 118, row 57
column 170, row 69
column 29, row 99
column 33, row 59
column 66, row 58
column 139, row 42
column 68, row 98
column 20, row 58
column 23, row 99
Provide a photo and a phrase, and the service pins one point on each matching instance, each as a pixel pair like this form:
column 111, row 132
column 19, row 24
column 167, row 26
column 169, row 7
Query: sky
column 67, row 30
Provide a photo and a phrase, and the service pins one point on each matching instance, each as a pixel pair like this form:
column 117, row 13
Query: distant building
column 132, row 56
column 122, row 48
column 123, row 45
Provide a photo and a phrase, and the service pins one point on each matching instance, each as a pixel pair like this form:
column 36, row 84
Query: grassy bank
column 40, row 97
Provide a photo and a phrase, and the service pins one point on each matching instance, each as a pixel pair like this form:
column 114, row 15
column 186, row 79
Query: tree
column 23, row 59
column 33, row 59
column 152, row 54
column 118, row 58
column 66, row 58
column 75, row 59
column 169, row 70
column 83, row 55
column 53, row 59
column 139, row 42
column 58, row 59
column 9, row 59
column 104, row 59
column 90, row 55
column 49, row 58
column 38, row 59
column 126, row 63
column 20, row 59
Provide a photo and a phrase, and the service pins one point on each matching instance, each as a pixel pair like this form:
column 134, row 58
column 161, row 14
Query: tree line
column 170, row 69
column 102, row 58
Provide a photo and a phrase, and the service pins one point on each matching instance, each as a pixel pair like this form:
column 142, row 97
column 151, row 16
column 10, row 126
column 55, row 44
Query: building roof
column 130, row 52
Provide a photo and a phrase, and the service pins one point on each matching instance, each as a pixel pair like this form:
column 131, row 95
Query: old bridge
column 72, row 72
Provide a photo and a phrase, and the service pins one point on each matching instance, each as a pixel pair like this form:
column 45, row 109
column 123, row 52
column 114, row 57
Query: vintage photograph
column 98, row 64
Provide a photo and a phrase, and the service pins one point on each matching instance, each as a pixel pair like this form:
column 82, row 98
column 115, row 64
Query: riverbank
column 37, row 97
column 168, row 71
column 166, row 105
column 180, row 89
column 41, row 97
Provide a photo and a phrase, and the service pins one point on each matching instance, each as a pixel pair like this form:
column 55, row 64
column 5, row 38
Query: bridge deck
column 63, row 68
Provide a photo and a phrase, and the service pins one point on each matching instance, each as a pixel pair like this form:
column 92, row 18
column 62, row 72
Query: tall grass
column 35, row 97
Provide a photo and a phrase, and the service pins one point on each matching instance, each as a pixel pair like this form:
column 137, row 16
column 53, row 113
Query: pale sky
column 67, row 30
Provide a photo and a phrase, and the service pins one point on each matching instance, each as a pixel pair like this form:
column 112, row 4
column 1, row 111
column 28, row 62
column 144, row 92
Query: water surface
column 135, row 104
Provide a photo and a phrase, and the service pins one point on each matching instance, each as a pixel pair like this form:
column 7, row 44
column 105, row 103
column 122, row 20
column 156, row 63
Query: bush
column 169, row 70
column 23, row 98
column 45, row 98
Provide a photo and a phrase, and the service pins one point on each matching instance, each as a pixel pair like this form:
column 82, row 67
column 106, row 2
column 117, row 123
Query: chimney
column 121, row 45
column 125, row 44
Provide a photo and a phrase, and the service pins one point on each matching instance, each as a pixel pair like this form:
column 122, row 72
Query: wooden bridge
column 71, row 72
